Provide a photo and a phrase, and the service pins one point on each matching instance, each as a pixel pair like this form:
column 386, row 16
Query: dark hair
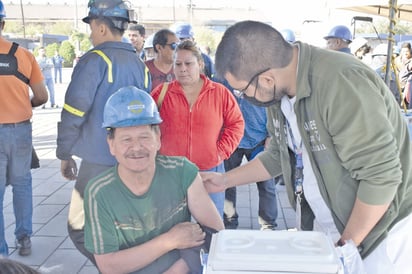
column 140, row 28
column 160, row 38
column 110, row 132
column 8, row 266
column 248, row 47
column 110, row 24
column 406, row 45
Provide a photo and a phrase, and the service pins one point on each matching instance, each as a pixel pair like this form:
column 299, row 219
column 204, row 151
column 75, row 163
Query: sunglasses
column 173, row 45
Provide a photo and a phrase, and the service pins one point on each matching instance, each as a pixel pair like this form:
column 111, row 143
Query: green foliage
column 33, row 30
column 51, row 49
column 80, row 41
column 67, row 51
column 207, row 37
column 13, row 27
column 78, row 36
column 85, row 45
column 63, row 28
column 382, row 26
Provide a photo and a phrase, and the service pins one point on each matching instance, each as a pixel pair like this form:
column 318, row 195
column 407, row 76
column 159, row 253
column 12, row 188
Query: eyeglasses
column 173, row 45
column 241, row 92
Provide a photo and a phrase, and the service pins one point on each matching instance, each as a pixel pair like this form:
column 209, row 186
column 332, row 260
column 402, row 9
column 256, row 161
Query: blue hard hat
column 183, row 30
column 116, row 10
column 341, row 32
column 130, row 106
column 288, row 35
column 2, row 11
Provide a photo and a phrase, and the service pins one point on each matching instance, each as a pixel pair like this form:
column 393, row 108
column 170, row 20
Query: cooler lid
column 274, row 251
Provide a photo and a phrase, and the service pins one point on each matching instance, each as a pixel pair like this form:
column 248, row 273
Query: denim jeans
column 15, row 161
column 58, row 70
column 218, row 198
column 268, row 211
column 48, row 82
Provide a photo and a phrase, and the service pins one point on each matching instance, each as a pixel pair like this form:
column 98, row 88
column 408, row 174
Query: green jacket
column 356, row 137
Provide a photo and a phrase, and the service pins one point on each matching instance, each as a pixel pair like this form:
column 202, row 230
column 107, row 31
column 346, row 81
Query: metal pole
column 393, row 4
column 76, row 16
column 174, row 11
column 22, row 17
column 191, row 12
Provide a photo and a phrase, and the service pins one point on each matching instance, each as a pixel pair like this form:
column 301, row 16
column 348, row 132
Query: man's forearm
column 362, row 220
column 132, row 259
column 251, row 172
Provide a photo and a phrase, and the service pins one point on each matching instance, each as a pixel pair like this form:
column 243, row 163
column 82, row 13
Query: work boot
column 24, row 246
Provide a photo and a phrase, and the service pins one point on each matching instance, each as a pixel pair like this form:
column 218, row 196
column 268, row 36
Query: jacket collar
column 304, row 70
column 207, row 84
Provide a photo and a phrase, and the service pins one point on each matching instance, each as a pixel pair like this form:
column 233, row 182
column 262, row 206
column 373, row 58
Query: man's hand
column 214, row 181
column 186, row 235
column 68, row 169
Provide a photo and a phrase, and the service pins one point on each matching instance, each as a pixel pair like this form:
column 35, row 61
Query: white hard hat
column 357, row 43
column 381, row 49
column 148, row 43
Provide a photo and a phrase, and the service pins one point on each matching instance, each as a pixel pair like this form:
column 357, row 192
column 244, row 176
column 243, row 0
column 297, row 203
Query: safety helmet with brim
column 130, row 106
column 117, row 11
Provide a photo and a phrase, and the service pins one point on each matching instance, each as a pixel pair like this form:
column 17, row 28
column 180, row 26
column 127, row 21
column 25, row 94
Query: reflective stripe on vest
column 108, row 62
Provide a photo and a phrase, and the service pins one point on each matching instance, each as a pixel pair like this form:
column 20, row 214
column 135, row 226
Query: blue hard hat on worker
column 340, row 32
column 183, row 30
column 116, row 10
column 2, row 11
column 288, row 35
column 130, row 106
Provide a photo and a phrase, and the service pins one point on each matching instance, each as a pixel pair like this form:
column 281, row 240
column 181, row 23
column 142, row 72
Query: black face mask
column 258, row 103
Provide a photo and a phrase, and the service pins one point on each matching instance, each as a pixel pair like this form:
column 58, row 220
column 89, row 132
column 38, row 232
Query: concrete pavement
column 53, row 251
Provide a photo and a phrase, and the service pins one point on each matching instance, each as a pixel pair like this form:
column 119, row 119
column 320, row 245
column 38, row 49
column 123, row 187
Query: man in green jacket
column 338, row 139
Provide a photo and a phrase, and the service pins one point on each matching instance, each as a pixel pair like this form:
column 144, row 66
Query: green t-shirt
column 117, row 219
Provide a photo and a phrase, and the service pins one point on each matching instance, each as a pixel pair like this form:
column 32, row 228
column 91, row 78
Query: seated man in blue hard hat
column 138, row 212
column 339, row 38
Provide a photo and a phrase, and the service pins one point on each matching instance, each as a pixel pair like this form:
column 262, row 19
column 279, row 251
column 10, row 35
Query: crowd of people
column 162, row 144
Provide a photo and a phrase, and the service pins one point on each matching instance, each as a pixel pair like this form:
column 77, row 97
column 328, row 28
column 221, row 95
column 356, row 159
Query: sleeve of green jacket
column 362, row 120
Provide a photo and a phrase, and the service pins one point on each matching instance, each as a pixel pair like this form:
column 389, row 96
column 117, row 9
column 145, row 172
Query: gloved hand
column 68, row 169
column 350, row 258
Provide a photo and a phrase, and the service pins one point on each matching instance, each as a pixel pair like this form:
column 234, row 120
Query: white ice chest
column 288, row 252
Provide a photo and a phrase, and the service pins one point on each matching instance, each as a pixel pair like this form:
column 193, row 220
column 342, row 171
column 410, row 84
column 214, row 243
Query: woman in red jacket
column 201, row 118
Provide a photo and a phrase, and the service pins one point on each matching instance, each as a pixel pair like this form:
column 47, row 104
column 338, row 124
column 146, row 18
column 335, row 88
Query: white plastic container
column 253, row 251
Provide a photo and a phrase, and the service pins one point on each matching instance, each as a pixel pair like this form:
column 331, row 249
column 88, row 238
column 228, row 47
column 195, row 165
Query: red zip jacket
column 206, row 134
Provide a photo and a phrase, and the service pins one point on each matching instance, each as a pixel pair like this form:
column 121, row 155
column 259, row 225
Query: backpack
column 8, row 64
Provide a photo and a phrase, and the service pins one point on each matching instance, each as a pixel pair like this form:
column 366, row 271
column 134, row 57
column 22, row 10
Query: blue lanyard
column 298, row 161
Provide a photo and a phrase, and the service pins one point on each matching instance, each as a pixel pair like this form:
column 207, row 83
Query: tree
column 381, row 25
column 207, row 37
column 85, row 45
column 67, row 51
column 51, row 49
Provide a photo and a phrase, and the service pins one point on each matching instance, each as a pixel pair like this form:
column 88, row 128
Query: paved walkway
column 53, row 251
